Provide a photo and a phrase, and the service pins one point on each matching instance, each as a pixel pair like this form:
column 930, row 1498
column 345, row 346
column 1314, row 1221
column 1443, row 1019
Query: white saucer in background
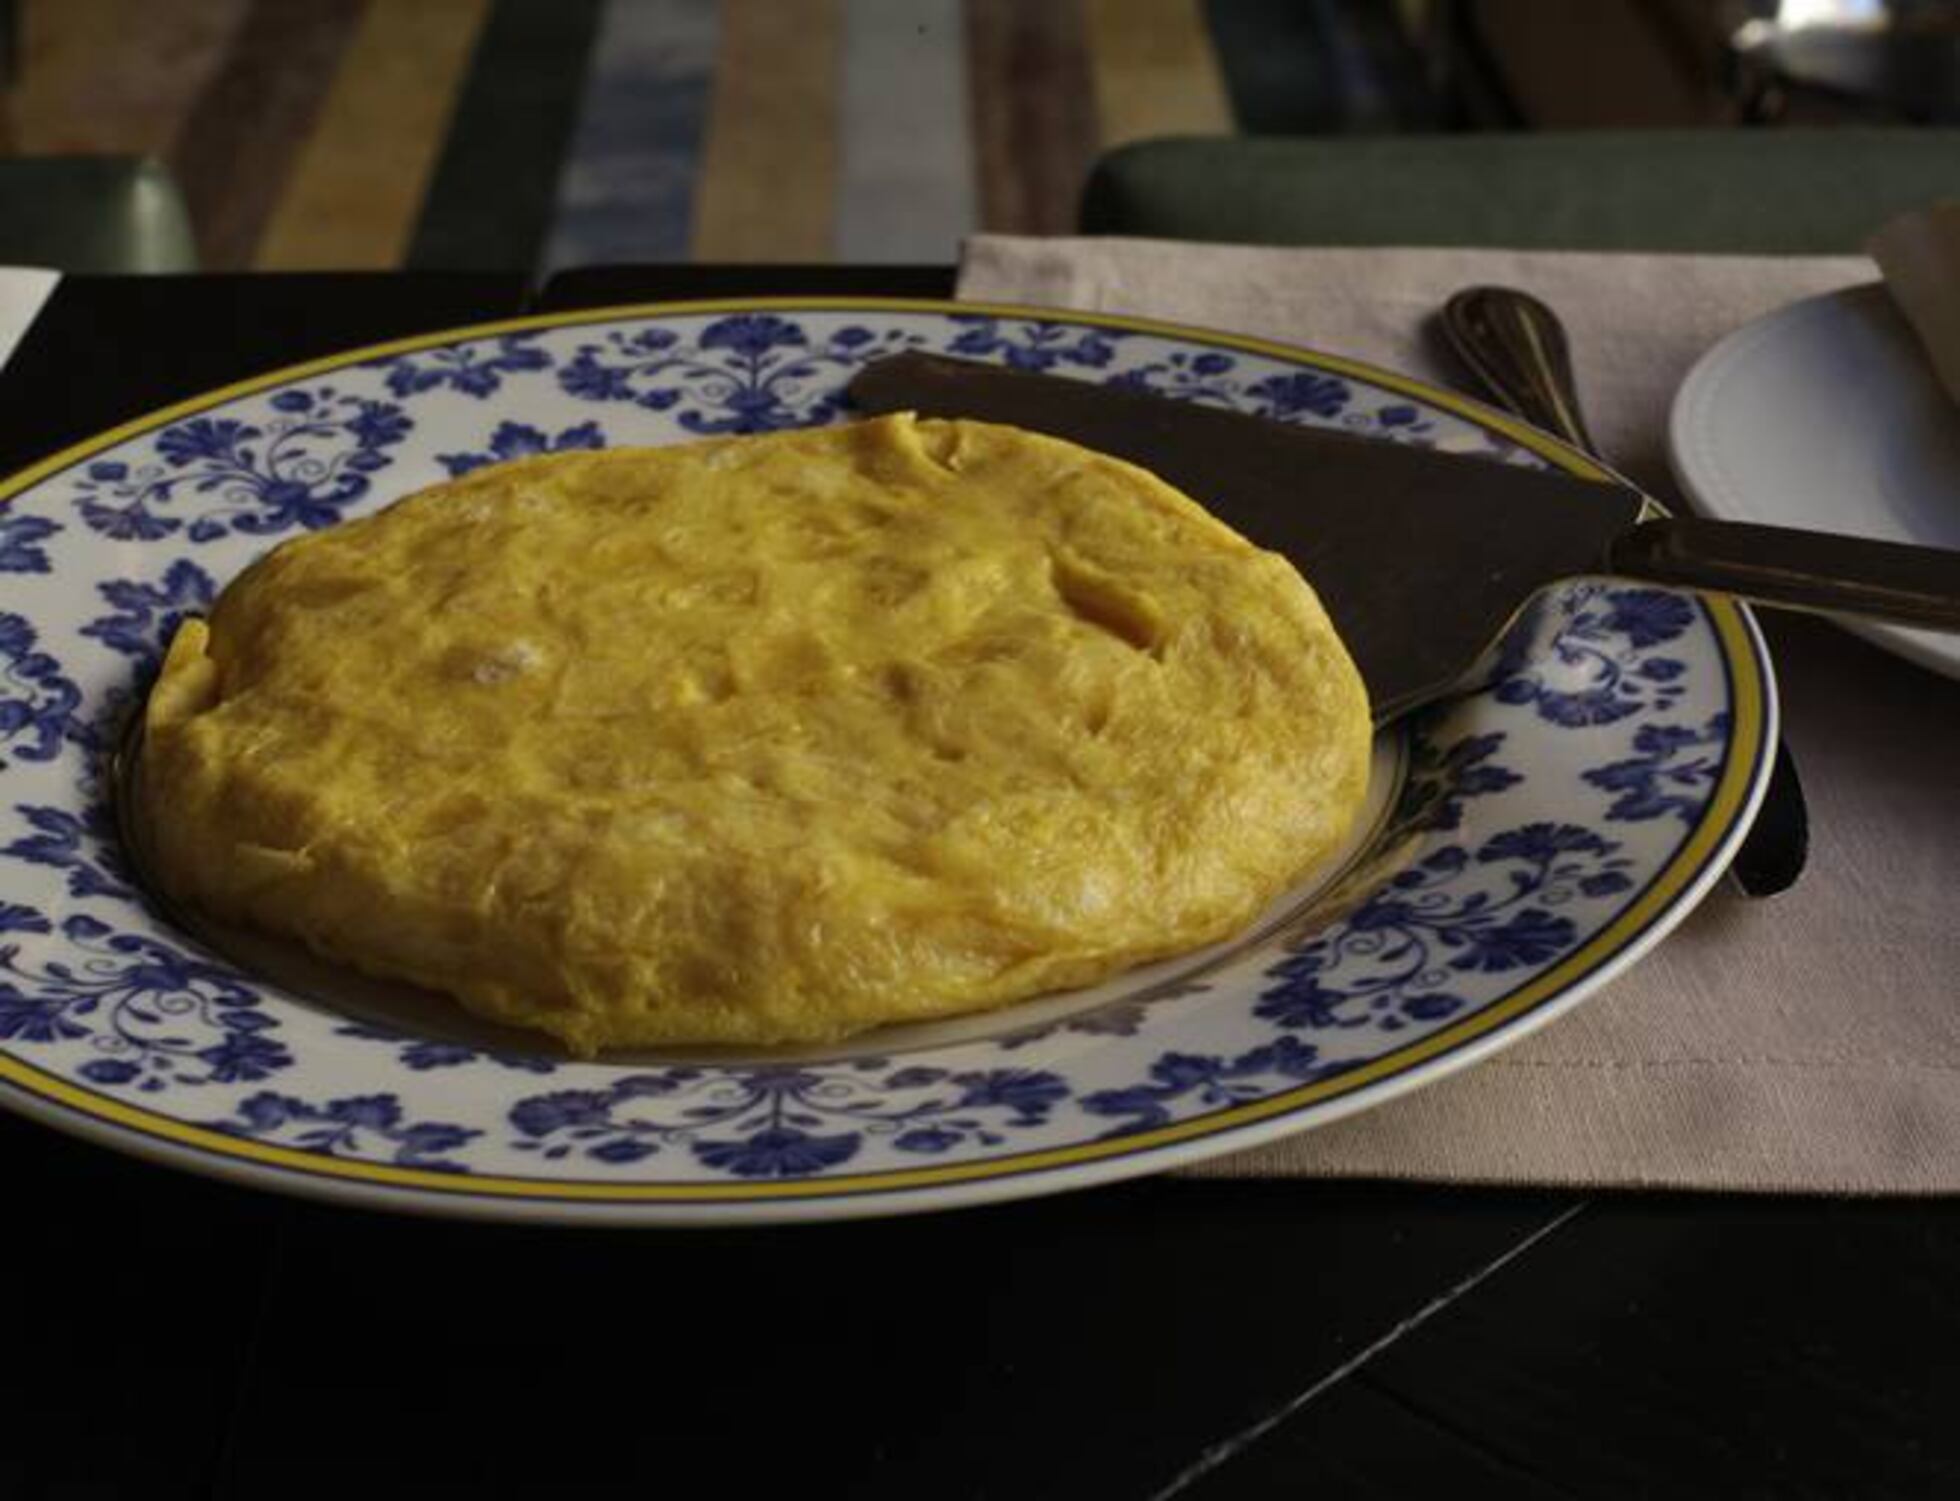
column 1826, row 415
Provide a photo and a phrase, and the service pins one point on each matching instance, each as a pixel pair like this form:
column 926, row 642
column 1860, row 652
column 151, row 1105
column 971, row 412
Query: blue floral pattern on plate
column 475, row 369
column 786, row 1122
column 751, row 373
column 20, row 539
column 144, row 616
column 1592, row 659
column 153, row 1017
column 37, row 702
column 519, row 440
column 372, row 1127
column 1530, row 813
column 301, row 465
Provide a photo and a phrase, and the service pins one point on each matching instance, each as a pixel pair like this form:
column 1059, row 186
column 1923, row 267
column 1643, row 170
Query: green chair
column 1743, row 191
column 93, row 213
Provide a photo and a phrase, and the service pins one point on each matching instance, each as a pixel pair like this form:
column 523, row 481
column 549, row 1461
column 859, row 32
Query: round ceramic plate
column 1528, row 839
column 1826, row 414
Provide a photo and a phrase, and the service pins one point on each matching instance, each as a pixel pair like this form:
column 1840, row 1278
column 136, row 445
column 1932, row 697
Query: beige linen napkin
column 1810, row 1041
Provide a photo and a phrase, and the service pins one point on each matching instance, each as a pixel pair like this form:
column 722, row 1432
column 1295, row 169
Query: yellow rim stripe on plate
column 1744, row 750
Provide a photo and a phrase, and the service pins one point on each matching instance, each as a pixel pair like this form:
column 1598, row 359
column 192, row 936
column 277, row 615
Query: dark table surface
column 169, row 1336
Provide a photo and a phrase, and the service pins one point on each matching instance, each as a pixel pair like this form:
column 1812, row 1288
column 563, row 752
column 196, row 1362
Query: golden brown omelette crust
column 758, row 739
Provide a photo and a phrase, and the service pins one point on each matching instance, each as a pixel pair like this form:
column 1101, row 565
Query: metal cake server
column 1422, row 558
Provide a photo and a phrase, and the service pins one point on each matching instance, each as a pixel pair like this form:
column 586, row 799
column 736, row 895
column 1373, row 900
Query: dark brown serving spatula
column 1423, row 558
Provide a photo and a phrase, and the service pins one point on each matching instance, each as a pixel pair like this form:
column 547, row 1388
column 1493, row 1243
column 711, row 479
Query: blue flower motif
column 1033, row 345
column 476, row 369
column 590, row 380
column 14, row 918
column 752, row 335
column 109, row 1071
column 1290, row 395
column 378, row 425
column 1441, row 780
column 1525, row 938
column 1573, row 711
column 1592, row 670
column 784, row 1121
column 1647, row 617
column 750, row 373
column 37, row 703
column 266, row 1111
column 1542, row 843
column 159, row 1018
column 1182, row 1071
column 300, row 467
column 1388, row 964
column 205, row 438
column 31, row 1018
column 778, row 1152
column 1300, row 1000
column 244, row 1055
column 565, row 1109
column 372, row 1127
column 518, row 440
column 1028, row 1093
column 1210, row 1079
column 86, row 847
column 1214, row 378
column 1672, row 773
column 1288, row 1057
column 18, row 536
column 369, row 1112
column 132, row 522
column 148, row 615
